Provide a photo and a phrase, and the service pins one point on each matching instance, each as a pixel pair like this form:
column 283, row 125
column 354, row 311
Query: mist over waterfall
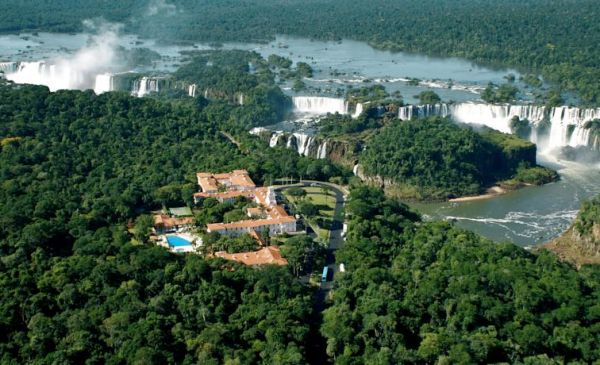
column 320, row 105
column 104, row 83
column 567, row 125
column 77, row 71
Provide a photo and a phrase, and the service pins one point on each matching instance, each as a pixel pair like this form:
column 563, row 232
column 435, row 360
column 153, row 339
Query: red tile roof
column 238, row 178
column 270, row 255
column 166, row 221
column 249, row 223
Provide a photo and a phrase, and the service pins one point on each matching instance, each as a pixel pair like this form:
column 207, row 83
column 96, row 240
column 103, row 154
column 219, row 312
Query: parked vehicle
column 325, row 273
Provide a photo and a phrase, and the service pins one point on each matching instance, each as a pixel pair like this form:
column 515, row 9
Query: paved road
column 336, row 240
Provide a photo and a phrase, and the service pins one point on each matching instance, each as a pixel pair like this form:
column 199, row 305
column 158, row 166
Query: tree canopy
column 418, row 292
column 436, row 159
column 535, row 35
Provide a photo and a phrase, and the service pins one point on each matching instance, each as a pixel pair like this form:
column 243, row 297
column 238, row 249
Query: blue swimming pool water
column 176, row 241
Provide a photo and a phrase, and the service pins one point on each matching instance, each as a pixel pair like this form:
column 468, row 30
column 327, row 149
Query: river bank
column 492, row 192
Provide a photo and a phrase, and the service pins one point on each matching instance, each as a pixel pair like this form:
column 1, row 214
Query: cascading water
column 567, row 124
column 192, row 90
column 303, row 141
column 319, row 105
column 275, row 138
column 358, row 111
column 322, row 151
column 55, row 77
column 423, row 111
column 104, row 83
column 8, row 67
column 145, row 86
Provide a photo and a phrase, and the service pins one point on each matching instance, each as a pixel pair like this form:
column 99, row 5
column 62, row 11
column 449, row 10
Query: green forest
column 80, row 174
column 552, row 38
column 77, row 169
column 425, row 293
column 435, row 159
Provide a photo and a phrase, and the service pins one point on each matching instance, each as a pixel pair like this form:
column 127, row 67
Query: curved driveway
column 336, row 240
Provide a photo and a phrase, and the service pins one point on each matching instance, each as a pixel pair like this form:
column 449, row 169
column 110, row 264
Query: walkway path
column 336, row 241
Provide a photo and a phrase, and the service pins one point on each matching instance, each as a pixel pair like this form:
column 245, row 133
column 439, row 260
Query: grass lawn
column 325, row 203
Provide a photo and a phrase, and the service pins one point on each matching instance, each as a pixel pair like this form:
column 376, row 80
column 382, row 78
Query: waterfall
column 423, row 111
column 275, row 138
column 55, row 77
column 320, row 105
column 322, row 151
column 8, row 67
column 355, row 170
column 303, row 141
column 145, row 86
column 358, row 111
column 240, row 100
column 192, row 90
column 567, row 124
column 496, row 116
column 104, row 83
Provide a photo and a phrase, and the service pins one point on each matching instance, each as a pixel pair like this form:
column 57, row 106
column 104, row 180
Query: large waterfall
column 303, row 143
column 8, row 67
column 320, row 105
column 567, row 124
column 104, row 83
column 145, row 86
column 55, row 77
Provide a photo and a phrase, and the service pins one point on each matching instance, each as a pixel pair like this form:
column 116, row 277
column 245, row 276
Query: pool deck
column 195, row 241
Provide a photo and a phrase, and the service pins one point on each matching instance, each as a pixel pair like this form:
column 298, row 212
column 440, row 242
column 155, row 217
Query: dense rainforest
column 580, row 244
column 426, row 293
column 436, row 159
column 76, row 169
column 554, row 38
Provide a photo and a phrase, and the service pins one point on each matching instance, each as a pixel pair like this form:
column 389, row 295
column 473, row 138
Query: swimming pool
column 176, row 241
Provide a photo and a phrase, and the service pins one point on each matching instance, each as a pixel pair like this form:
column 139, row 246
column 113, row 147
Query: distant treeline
column 555, row 38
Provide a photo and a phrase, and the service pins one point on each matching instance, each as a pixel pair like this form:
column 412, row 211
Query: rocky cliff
column 580, row 245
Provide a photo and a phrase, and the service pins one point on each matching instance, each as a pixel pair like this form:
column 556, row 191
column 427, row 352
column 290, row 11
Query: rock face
column 339, row 151
column 580, row 245
column 590, row 244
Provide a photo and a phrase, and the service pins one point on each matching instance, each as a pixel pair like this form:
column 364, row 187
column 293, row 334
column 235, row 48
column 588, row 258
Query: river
column 337, row 65
column 528, row 216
